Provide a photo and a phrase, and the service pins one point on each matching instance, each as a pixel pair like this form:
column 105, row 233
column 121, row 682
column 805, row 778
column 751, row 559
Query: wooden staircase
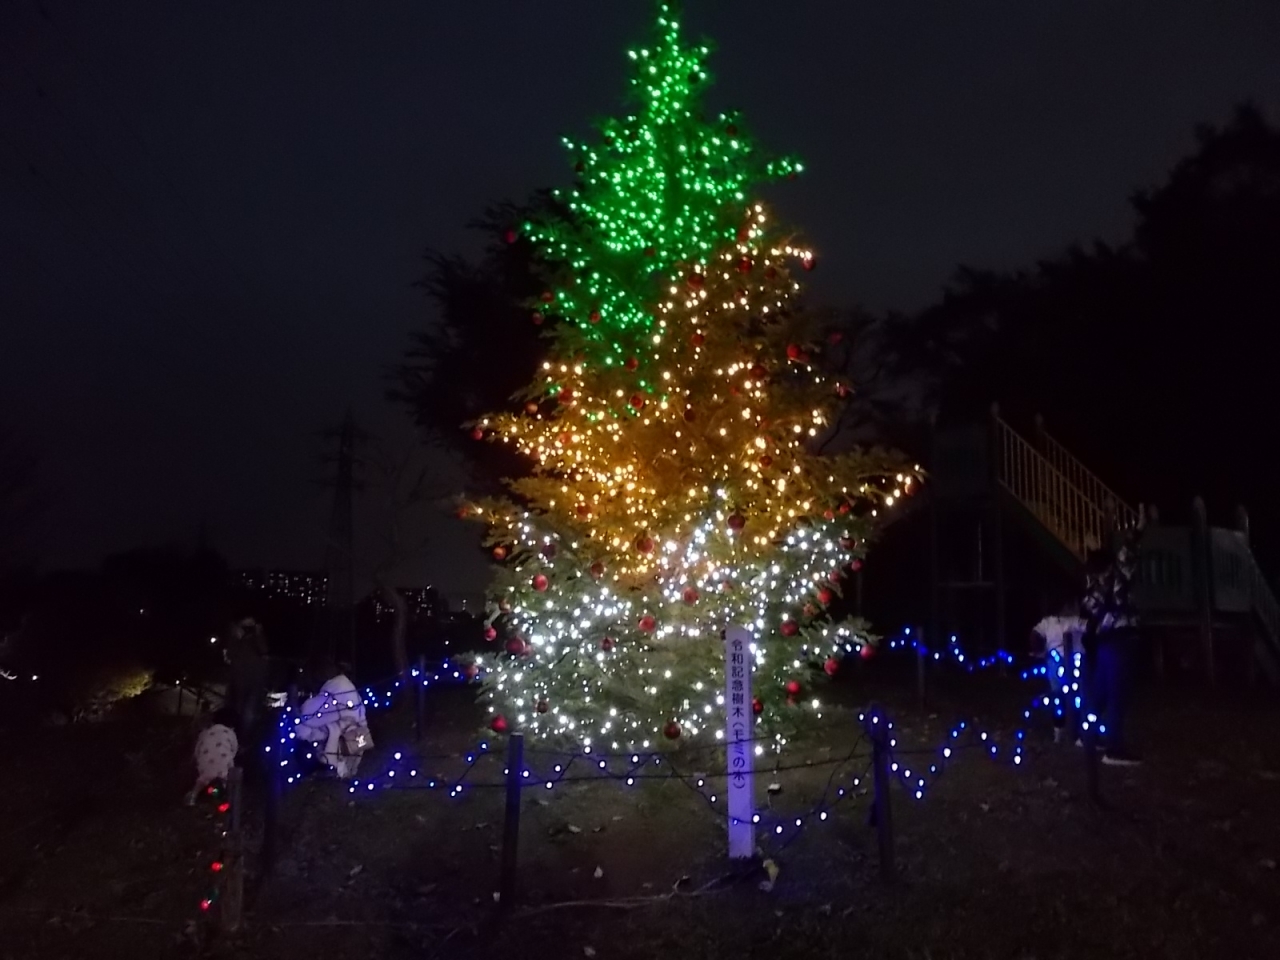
column 1187, row 575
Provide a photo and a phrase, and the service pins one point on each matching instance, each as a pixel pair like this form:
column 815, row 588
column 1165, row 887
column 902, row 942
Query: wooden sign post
column 739, row 745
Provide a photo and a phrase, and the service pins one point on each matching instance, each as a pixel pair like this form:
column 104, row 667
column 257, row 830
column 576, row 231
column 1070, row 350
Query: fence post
column 420, row 696
column 921, row 657
column 275, row 790
column 232, row 912
column 881, row 810
column 1069, row 688
column 511, row 822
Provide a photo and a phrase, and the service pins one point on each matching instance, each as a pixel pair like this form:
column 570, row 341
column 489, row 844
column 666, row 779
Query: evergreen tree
column 676, row 486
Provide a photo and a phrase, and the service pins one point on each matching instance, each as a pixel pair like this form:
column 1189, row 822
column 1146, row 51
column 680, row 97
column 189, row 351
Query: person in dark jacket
column 246, row 655
column 1111, row 640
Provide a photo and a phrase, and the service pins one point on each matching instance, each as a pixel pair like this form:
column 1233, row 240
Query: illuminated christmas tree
column 677, row 489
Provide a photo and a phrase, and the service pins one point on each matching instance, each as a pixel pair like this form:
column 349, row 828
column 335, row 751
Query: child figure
column 1049, row 640
column 215, row 753
column 334, row 720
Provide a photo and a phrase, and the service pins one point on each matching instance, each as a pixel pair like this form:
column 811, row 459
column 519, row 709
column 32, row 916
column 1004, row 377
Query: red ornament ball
column 690, row 415
column 607, row 644
column 789, row 628
column 548, row 550
column 690, row 596
column 537, row 319
column 471, row 671
column 498, row 724
column 867, row 651
column 771, row 273
column 842, row 390
column 847, row 543
column 650, row 251
column 855, row 566
column 631, row 363
column 542, row 706
column 737, row 521
column 697, row 339
column 531, row 408
column 540, row 583
column 766, row 461
column 516, row 647
column 828, row 514
column 810, row 610
column 499, row 553
column 793, row 351
column 636, row 401
column 644, row 544
column 758, row 372
column 512, row 236
column 548, row 296
column 490, row 634
column 695, row 280
column 744, row 265
column 594, row 316
column 834, row 576
column 843, row 508
column 808, row 263
column 757, row 706
column 597, row 570
column 671, row 731
column 825, row 596
column 583, row 510
column 793, row 688
column 647, row 624
column 477, row 434
column 831, row 667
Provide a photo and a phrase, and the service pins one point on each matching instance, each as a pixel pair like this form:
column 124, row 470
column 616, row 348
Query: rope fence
column 867, row 770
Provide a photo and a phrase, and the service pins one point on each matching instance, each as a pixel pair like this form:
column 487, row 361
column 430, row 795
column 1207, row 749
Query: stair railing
column 1065, row 510
column 1084, row 479
column 1263, row 600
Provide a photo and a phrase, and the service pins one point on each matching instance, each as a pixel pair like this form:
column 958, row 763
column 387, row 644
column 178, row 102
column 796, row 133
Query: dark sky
column 211, row 213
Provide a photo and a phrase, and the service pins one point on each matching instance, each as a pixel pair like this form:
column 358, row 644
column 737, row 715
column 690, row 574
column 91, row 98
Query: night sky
column 211, row 213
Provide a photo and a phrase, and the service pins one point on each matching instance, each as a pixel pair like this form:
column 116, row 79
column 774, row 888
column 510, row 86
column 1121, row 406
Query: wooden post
column 935, row 623
column 922, row 655
column 881, row 809
column 275, row 791
column 1070, row 722
column 511, row 822
column 232, row 912
column 420, row 697
column 1202, row 546
column 997, row 527
column 1091, row 758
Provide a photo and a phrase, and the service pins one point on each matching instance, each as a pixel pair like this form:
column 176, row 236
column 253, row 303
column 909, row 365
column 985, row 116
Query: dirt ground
column 98, row 857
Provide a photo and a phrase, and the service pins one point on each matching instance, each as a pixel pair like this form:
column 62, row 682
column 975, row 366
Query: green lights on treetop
column 665, row 186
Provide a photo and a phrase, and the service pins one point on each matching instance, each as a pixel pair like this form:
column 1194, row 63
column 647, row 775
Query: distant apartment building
column 307, row 588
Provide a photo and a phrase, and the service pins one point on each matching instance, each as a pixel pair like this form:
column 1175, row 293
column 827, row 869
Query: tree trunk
column 399, row 627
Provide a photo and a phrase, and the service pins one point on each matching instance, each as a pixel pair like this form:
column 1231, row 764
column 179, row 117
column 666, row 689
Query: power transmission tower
column 338, row 635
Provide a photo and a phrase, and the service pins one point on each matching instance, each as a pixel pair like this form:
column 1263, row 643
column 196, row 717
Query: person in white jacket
column 334, row 720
